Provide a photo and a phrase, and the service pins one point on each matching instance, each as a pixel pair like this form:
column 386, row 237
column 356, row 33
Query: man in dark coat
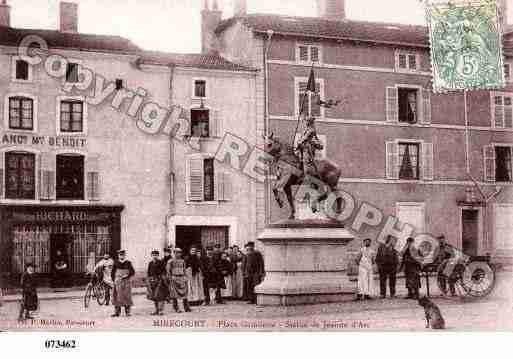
column 157, row 289
column 212, row 279
column 387, row 261
column 411, row 269
column 443, row 259
column 122, row 272
column 253, row 271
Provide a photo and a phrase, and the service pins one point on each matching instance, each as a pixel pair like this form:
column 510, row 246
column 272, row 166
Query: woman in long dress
column 194, row 277
column 29, row 300
column 236, row 258
column 366, row 287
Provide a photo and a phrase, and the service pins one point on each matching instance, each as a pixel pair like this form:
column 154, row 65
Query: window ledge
column 18, row 81
column 70, row 134
column 20, row 131
column 206, row 203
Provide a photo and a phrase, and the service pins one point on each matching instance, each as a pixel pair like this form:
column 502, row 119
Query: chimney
column 240, row 8
column 69, row 17
column 332, row 9
column 5, row 14
column 209, row 21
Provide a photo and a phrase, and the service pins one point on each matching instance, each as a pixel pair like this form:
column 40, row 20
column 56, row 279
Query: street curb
column 62, row 295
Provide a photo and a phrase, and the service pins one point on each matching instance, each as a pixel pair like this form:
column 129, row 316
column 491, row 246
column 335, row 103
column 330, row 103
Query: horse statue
column 289, row 172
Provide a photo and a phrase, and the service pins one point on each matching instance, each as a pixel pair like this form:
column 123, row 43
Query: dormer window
column 21, row 70
column 199, row 88
column 406, row 61
column 72, row 72
column 306, row 53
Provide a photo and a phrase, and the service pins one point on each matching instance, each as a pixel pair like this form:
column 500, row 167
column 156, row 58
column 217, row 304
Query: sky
column 174, row 25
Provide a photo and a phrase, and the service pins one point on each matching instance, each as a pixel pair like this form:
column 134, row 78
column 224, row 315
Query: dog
column 434, row 318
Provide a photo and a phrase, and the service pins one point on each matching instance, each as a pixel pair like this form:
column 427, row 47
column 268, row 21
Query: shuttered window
column 69, row 177
column 47, row 176
column 306, row 53
column 92, row 177
column 407, row 105
column 502, row 110
column 498, row 163
column 20, row 175
column 409, row 160
column 205, row 181
column 503, row 226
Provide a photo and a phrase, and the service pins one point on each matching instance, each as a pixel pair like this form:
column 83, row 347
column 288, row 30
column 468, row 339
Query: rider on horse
column 307, row 145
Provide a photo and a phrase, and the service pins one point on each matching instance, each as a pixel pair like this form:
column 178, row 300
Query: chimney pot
column 5, row 14
column 240, row 8
column 332, row 9
column 69, row 16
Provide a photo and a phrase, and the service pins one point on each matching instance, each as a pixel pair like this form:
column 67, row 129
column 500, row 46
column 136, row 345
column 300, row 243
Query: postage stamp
column 466, row 49
column 260, row 172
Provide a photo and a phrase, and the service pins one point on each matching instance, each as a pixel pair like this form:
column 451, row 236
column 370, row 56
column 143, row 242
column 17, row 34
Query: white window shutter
column 47, row 176
column 195, row 178
column 2, row 174
column 392, row 107
column 508, row 112
column 392, row 159
column 171, row 178
column 426, row 107
column 427, row 161
column 215, row 123
column 186, row 114
column 93, row 177
column 223, row 186
column 489, row 163
column 498, row 111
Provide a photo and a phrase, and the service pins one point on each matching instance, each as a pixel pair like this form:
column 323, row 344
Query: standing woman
column 411, row 269
column 236, row 259
column 122, row 272
column 29, row 298
column 194, row 278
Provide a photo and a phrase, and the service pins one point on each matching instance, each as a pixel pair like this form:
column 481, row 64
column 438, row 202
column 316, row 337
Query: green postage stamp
column 466, row 45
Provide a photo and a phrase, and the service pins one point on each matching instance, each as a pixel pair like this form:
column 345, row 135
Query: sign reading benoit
column 52, row 141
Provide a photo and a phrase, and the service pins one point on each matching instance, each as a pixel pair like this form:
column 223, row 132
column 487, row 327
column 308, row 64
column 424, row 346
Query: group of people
column 389, row 262
column 193, row 279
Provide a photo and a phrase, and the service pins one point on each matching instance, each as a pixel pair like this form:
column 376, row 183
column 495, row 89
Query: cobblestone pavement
column 494, row 312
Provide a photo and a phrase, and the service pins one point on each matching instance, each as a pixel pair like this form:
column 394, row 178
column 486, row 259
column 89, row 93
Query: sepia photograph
column 255, row 166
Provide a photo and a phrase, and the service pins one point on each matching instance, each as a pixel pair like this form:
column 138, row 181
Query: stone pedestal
column 305, row 262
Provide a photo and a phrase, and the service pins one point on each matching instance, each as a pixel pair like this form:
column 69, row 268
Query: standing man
column 122, row 272
column 103, row 271
column 387, row 261
column 443, row 259
column 411, row 269
column 254, row 271
column 366, row 260
column 211, row 278
column 178, row 286
column 157, row 289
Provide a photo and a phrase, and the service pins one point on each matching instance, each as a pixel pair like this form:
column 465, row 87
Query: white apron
column 365, row 273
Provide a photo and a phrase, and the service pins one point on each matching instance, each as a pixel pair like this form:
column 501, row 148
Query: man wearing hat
column 443, row 258
column 212, row 279
column 122, row 272
column 157, row 288
column 253, row 271
column 412, row 267
column 103, row 271
column 178, row 286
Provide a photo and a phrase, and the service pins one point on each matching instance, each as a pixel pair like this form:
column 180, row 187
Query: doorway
column 201, row 237
column 470, row 231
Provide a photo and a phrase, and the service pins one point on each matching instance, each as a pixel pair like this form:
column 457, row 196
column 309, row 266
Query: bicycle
column 94, row 289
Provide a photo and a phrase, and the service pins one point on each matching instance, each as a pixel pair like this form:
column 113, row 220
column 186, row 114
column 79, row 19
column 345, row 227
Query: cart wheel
column 478, row 279
column 87, row 295
column 99, row 293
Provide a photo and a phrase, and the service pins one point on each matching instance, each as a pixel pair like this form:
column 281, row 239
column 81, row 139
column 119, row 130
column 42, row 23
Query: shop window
column 21, row 113
column 20, row 178
column 70, row 177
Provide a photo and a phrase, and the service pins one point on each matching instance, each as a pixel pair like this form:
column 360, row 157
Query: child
column 29, row 294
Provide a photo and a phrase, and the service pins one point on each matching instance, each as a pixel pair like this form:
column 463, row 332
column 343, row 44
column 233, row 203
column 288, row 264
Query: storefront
column 36, row 233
